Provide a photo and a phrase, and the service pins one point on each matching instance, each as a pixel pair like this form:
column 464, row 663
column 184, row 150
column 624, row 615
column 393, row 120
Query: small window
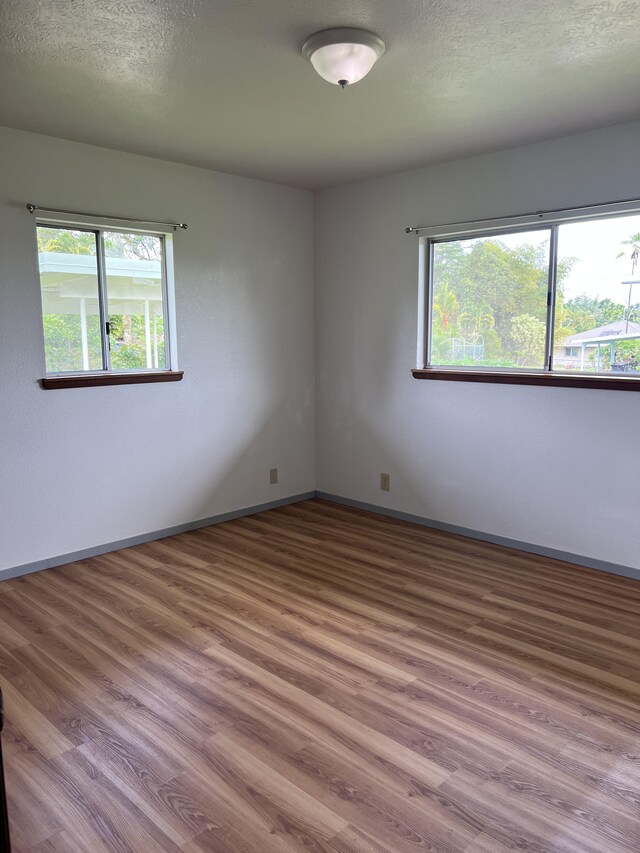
column 557, row 297
column 105, row 300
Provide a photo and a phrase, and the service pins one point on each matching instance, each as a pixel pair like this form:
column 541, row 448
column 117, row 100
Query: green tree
column 492, row 284
column 528, row 339
column 588, row 312
column 66, row 241
column 63, row 344
column 507, row 281
column 143, row 247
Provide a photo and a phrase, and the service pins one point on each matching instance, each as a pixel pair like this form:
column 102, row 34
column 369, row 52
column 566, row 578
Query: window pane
column 134, row 299
column 70, row 305
column 489, row 301
column 598, row 301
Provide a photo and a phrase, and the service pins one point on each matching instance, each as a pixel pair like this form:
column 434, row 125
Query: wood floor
column 321, row 679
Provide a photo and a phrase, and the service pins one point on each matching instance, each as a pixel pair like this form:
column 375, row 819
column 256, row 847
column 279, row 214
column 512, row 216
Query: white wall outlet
column 273, row 476
column 385, row 482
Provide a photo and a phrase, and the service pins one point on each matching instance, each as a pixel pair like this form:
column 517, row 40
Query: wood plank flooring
column 317, row 678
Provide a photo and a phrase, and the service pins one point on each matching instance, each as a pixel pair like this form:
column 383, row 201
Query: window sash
column 497, row 228
column 104, row 309
column 88, row 225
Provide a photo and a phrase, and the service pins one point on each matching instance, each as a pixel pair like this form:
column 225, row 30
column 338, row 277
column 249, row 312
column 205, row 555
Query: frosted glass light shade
column 343, row 55
column 350, row 62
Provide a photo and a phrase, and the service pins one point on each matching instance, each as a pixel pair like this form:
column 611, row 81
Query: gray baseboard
column 541, row 550
column 62, row 559
column 528, row 547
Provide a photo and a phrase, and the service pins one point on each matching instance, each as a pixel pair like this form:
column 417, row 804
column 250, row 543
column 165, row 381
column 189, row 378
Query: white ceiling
column 222, row 84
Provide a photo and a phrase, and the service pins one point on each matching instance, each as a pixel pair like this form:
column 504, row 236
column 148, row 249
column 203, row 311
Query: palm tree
column 472, row 324
column 633, row 241
column 446, row 306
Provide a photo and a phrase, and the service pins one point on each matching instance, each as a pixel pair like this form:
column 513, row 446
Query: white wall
column 83, row 467
column 495, row 458
column 87, row 466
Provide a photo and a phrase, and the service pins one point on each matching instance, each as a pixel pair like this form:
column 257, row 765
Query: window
column 543, row 300
column 107, row 304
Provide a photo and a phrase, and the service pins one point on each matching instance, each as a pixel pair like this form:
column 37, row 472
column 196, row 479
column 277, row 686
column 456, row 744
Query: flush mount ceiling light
column 343, row 55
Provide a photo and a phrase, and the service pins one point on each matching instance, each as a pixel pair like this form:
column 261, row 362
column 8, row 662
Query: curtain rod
column 413, row 229
column 175, row 225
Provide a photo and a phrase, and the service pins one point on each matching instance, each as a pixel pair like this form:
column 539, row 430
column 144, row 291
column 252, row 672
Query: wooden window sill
column 94, row 380
column 555, row 380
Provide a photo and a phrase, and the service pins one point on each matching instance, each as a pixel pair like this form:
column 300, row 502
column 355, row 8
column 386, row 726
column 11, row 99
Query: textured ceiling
column 222, row 84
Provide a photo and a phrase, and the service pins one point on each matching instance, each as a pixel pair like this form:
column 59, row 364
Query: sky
column 598, row 272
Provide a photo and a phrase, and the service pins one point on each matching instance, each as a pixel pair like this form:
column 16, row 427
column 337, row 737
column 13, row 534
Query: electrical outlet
column 273, row 476
column 385, row 483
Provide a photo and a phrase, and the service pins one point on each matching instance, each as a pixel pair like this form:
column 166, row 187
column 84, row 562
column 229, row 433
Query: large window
column 559, row 298
column 106, row 300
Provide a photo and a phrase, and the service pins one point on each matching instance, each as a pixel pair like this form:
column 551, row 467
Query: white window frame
column 99, row 226
column 429, row 237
